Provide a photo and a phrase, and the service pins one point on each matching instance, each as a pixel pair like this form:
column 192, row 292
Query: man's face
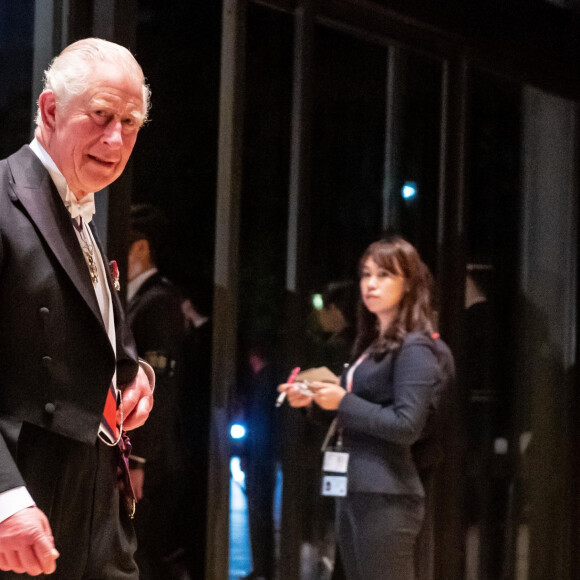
column 93, row 137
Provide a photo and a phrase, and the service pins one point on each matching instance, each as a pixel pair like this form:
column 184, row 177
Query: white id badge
column 334, row 469
column 335, row 461
column 334, row 485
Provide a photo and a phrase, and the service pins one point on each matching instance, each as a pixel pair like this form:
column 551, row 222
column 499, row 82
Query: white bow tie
column 84, row 208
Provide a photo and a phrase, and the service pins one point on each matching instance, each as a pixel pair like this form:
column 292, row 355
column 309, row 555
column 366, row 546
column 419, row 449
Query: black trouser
column 377, row 534
column 75, row 485
column 260, row 485
column 425, row 544
column 160, row 525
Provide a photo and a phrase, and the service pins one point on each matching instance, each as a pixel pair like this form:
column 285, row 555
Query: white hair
column 69, row 74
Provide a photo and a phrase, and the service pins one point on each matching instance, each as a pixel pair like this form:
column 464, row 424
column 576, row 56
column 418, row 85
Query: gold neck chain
column 88, row 249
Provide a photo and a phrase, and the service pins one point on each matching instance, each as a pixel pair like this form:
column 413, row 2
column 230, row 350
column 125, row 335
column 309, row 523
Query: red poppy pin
column 115, row 274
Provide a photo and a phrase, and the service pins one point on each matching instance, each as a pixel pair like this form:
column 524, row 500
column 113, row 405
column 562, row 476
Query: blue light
column 409, row 190
column 237, row 431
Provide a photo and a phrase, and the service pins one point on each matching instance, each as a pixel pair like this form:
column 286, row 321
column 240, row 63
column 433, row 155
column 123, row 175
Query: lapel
column 33, row 187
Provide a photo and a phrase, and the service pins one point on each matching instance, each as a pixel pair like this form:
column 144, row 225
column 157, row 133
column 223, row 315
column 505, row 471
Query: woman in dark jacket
column 382, row 405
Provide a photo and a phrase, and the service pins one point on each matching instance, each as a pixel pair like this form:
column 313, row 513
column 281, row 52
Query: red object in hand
column 290, row 380
column 293, row 375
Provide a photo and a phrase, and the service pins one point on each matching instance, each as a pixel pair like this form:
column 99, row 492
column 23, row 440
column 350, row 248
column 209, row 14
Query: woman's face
column 381, row 291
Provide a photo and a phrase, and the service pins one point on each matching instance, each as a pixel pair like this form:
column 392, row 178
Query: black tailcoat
column 56, row 360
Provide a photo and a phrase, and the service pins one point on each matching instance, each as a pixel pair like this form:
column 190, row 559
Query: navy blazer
column 56, row 360
column 385, row 413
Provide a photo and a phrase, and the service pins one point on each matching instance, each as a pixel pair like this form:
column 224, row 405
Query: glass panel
column 412, row 170
column 347, row 209
column 174, row 162
column 516, row 359
column 546, row 325
column 174, row 168
column 347, row 159
column 266, row 159
column 486, row 365
column 520, row 322
column 348, row 152
column 16, row 57
column 262, row 271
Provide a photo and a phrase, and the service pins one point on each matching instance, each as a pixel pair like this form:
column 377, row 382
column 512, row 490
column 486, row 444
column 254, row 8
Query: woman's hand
column 296, row 396
column 327, row 395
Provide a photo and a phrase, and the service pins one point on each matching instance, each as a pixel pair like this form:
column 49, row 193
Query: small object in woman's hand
column 290, row 380
column 308, row 387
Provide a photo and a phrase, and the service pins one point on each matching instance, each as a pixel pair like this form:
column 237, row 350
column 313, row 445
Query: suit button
column 50, row 408
column 46, row 361
column 44, row 312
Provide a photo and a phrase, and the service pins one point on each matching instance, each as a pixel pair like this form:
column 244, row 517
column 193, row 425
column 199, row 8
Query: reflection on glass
column 411, row 179
column 348, row 140
column 493, row 202
column 16, row 32
column 519, row 327
column 374, row 163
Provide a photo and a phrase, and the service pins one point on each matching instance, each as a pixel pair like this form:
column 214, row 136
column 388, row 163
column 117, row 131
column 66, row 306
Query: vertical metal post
column 300, row 146
column 296, row 273
column 392, row 131
column 449, row 554
column 225, row 278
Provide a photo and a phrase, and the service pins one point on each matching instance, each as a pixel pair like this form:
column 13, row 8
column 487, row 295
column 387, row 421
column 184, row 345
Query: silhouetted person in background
column 157, row 468
column 256, row 395
column 337, row 319
column 307, row 545
column 487, row 470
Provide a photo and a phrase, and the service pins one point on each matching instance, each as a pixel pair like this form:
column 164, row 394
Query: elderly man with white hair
column 69, row 374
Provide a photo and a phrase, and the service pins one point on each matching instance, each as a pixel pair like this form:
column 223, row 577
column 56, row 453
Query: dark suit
column 56, row 360
column 155, row 317
column 381, row 418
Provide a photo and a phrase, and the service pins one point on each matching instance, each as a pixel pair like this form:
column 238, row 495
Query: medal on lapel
column 115, row 274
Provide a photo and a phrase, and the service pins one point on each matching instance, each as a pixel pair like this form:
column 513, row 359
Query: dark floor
column 240, row 555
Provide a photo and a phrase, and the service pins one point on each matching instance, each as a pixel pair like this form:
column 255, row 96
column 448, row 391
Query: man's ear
column 47, row 107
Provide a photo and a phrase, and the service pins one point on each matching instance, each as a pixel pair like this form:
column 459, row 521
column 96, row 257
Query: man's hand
column 26, row 543
column 137, row 402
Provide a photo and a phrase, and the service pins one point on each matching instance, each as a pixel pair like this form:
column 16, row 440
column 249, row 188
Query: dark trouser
column 75, row 485
column 377, row 533
column 161, row 539
column 260, row 484
column 425, row 544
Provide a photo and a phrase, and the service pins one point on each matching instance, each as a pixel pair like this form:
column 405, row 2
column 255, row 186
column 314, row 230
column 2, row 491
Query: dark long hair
column 414, row 314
